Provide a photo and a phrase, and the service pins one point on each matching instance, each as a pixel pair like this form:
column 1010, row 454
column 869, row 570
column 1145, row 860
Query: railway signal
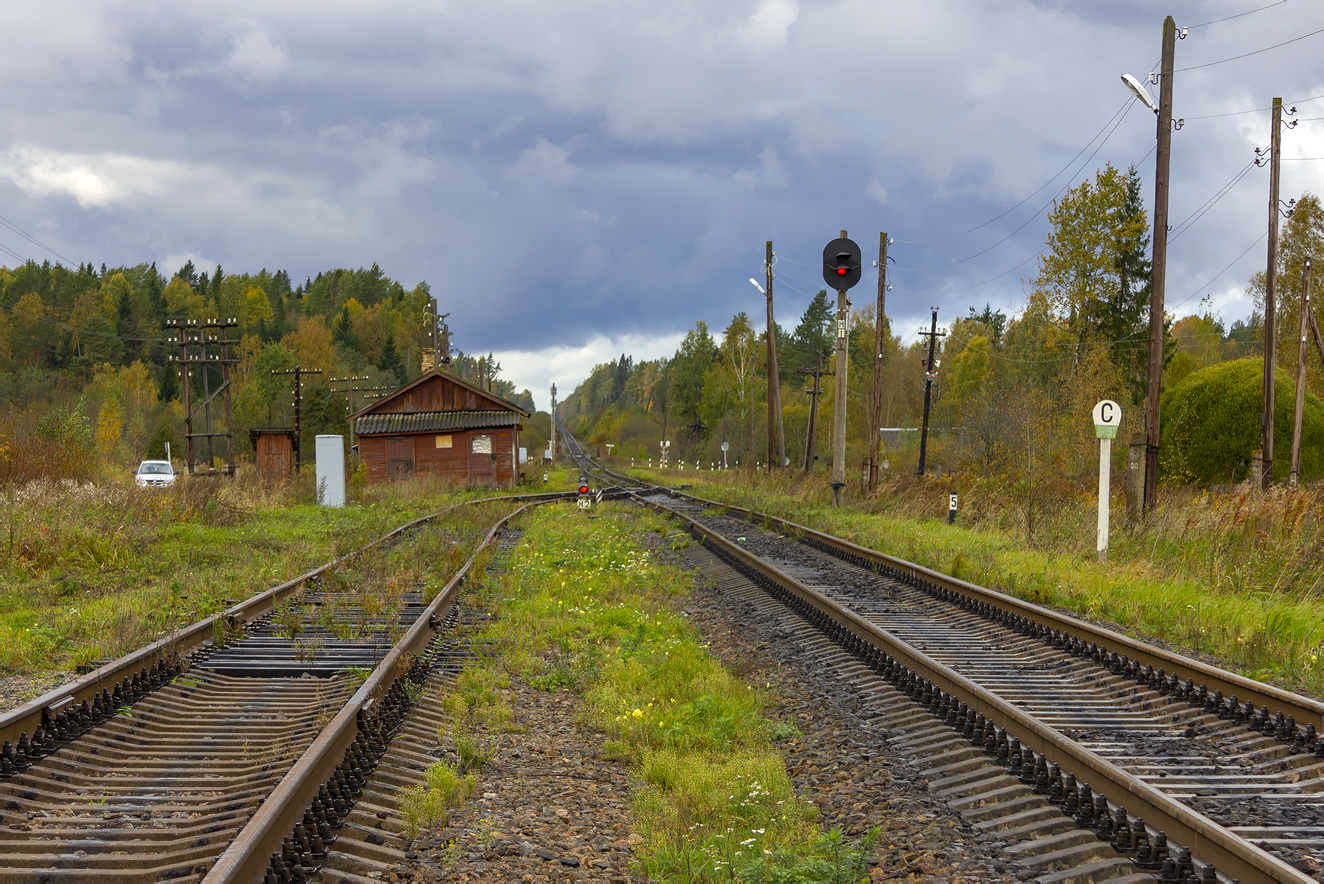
column 841, row 264
column 584, row 501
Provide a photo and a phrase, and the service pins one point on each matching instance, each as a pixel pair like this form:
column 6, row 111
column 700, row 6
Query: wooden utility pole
column 195, row 338
column 349, row 392
column 1160, row 264
column 929, row 376
column 298, row 373
column 776, row 436
column 1306, row 316
column 811, row 439
column 880, row 325
column 1270, row 296
column 839, row 396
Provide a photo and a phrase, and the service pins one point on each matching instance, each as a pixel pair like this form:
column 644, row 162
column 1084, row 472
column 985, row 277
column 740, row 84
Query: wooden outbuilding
column 440, row 425
column 276, row 450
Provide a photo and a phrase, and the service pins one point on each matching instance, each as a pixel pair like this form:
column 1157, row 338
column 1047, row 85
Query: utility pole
column 880, row 324
column 349, row 392
column 1270, row 296
column 298, row 373
column 1161, row 163
column 929, row 374
column 1306, row 317
column 552, row 444
column 203, row 335
column 811, row 437
column 776, row 436
column 839, row 398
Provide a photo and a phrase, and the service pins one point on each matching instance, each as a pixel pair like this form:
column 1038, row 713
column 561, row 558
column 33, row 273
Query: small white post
column 1107, row 418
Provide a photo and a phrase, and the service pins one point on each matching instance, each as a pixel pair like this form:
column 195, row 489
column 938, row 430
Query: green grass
column 1238, row 576
column 90, row 572
column 584, row 607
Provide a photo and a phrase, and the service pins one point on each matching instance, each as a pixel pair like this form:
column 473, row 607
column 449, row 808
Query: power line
column 1221, row 272
column 1125, row 110
column 1238, row 15
column 1211, row 202
column 79, row 331
column 1256, row 110
column 14, row 227
column 1069, row 164
column 1210, row 64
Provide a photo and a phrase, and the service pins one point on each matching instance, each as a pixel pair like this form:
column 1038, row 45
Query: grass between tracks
column 585, row 607
column 89, row 572
column 1236, row 576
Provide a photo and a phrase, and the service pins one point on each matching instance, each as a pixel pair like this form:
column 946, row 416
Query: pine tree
column 390, row 361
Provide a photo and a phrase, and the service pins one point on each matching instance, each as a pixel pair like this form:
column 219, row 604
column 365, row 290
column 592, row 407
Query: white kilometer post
column 1107, row 418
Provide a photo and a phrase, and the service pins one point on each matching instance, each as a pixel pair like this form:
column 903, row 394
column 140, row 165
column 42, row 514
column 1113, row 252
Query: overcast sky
column 581, row 178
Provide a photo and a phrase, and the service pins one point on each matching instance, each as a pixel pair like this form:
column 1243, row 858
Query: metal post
column 839, row 398
column 880, row 323
column 1105, row 486
column 1270, row 297
column 1161, row 162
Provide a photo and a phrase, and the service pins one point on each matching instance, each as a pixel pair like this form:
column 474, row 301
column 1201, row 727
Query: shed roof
column 433, row 421
column 390, row 402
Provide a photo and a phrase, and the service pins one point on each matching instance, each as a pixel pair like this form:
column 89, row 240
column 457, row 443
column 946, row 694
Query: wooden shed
column 276, row 450
column 440, row 425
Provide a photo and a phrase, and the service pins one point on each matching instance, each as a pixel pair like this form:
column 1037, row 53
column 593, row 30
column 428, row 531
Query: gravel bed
column 15, row 690
column 551, row 807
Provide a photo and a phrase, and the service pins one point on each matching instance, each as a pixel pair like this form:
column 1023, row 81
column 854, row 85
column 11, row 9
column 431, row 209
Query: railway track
column 236, row 749
column 1182, row 771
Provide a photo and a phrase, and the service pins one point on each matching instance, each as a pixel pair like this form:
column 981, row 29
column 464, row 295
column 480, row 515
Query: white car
column 154, row 473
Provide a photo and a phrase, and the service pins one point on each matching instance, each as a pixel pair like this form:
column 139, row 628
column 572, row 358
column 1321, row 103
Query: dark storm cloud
column 567, row 174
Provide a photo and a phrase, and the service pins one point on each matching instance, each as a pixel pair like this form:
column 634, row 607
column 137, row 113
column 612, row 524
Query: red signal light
column 583, row 489
column 842, row 271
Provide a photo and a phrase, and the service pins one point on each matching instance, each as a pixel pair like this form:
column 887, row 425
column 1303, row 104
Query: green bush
column 1211, row 424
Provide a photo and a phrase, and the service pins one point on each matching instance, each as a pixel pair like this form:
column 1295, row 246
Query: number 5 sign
column 1107, row 418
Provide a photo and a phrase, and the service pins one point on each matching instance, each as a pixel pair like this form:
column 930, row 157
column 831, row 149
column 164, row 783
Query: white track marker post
column 1107, row 418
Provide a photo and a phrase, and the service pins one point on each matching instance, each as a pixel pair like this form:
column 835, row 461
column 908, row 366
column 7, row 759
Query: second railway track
column 231, row 751
column 1194, row 773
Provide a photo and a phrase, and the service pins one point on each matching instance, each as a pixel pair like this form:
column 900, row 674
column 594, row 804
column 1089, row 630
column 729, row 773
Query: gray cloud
column 564, row 172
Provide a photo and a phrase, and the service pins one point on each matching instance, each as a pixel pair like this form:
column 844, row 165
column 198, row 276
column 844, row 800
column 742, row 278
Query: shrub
column 1211, row 424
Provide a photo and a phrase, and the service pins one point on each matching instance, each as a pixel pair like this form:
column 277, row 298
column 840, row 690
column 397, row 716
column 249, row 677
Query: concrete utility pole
column 810, row 437
column 776, row 436
column 880, row 324
column 552, row 444
column 929, row 376
column 298, row 406
column 1161, row 162
column 1297, row 416
column 1270, row 296
column 839, row 398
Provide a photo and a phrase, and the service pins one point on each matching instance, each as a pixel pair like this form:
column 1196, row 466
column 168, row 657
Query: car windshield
column 155, row 468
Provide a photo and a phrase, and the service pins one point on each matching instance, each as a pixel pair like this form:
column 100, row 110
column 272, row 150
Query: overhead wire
column 1209, row 64
column 1126, row 109
column 36, row 242
column 1211, row 202
column 1238, row 15
column 1058, row 174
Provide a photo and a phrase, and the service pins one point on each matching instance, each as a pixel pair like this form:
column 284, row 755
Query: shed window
column 482, row 445
column 443, row 441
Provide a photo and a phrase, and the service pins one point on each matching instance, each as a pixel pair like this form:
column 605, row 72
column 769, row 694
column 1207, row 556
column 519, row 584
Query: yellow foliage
column 110, row 423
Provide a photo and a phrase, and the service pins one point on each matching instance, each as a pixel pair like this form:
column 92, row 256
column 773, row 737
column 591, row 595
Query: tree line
column 92, row 345
column 1013, row 394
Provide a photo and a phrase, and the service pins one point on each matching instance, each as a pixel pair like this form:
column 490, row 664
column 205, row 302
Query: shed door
column 399, row 458
column 482, row 461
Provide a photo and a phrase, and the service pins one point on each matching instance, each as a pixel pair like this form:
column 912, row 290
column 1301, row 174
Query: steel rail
column 1305, row 710
column 1210, row 842
column 33, row 714
column 249, row 855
